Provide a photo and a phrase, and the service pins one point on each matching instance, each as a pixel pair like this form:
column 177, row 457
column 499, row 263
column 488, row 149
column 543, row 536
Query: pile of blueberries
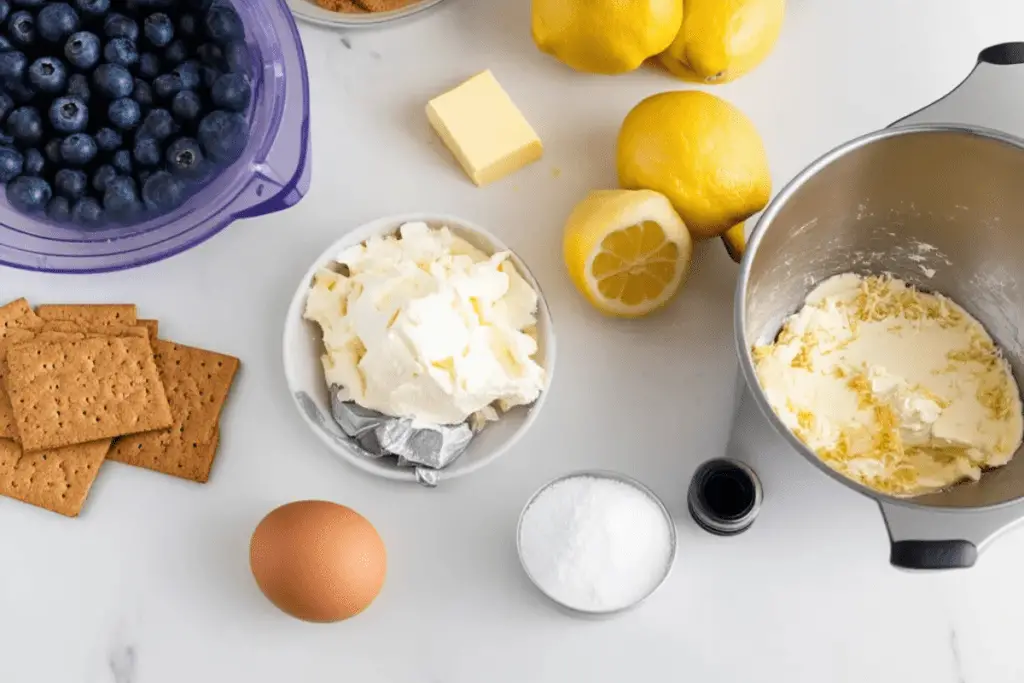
column 114, row 111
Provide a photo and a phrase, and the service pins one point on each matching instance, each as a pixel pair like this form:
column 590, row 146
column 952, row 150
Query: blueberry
column 108, row 139
column 122, row 161
column 113, row 80
column 26, row 125
column 149, row 65
column 83, row 49
column 231, row 92
column 223, row 24
column 167, row 86
column 21, row 28
column 184, row 157
column 35, row 162
column 186, row 105
column 159, row 124
column 48, row 75
column 163, row 192
column 102, row 177
column 119, row 26
column 186, row 25
column 11, row 164
column 210, row 54
column 52, row 151
column 5, row 9
column 21, row 93
column 121, row 199
column 6, row 139
column 94, row 7
column 69, row 115
column 209, row 75
column 6, row 105
column 124, row 113
column 143, row 175
column 223, row 135
column 121, row 51
column 175, row 52
column 143, row 94
column 86, row 211
column 237, row 57
column 13, row 65
column 199, row 6
column 158, row 29
column 56, row 22
column 28, row 194
column 146, row 151
column 5, row 44
column 59, row 210
column 188, row 72
column 78, row 149
column 70, row 183
column 78, row 86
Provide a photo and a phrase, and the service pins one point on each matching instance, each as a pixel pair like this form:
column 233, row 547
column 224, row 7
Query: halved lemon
column 627, row 251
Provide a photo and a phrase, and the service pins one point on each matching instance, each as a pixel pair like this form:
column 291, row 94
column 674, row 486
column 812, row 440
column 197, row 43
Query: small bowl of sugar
column 596, row 542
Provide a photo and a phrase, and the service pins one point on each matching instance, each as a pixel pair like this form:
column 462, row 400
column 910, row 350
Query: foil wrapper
column 425, row 447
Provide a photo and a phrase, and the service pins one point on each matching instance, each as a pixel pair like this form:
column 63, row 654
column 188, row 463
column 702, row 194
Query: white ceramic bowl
column 308, row 10
column 303, row 347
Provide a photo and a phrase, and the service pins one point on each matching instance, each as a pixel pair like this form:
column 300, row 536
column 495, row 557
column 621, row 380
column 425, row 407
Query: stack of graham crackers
column 81, row 384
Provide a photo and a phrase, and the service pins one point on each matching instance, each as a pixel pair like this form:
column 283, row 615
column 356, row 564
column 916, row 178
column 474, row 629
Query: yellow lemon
column 605, row 36
column 699, row 151
column 720, row 40
column 735, row 241
column 627, row 251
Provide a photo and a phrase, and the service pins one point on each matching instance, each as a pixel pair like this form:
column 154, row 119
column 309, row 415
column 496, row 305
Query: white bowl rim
column 383, row 226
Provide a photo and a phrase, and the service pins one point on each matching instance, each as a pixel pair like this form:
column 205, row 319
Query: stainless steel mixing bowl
column 937, row 199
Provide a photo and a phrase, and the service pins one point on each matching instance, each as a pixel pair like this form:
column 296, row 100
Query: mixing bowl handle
column 923, row 538
column 989, row 97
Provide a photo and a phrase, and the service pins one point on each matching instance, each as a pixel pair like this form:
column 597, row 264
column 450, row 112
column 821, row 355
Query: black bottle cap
column 724, row 496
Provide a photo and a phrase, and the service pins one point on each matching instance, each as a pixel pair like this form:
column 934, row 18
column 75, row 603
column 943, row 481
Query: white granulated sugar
column 595, row 544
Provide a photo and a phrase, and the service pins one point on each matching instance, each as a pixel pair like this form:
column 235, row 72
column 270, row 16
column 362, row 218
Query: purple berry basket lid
column 272, row 174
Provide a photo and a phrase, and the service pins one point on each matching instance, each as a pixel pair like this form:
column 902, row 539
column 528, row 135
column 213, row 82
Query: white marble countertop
column 151, row 584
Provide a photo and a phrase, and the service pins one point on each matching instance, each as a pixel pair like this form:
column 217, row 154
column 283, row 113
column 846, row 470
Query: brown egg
column 318, row 561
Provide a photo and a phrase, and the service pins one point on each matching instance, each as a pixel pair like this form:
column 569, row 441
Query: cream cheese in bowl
column 425, row 325
column 419, row 348
column 901, row 390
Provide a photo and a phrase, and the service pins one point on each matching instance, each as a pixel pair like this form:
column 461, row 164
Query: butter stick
column 484, row 129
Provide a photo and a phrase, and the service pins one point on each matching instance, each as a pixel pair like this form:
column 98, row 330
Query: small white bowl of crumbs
column 419, row 347
column 346, row 14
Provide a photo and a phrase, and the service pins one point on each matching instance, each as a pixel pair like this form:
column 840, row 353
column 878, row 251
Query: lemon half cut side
column 627, row 251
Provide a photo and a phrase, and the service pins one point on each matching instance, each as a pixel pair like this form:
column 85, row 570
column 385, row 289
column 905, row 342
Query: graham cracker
column 383, row 5
column 197, row 384
column 90, row 315
column 75, row 330
column 18, row 314
column 152, row 326
column 58, row 480
column 69, row 392
column 341, row 6
column 9, row 336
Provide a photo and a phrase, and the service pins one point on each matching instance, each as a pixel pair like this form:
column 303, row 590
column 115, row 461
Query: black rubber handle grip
column 1004, row 54
column 955, row 554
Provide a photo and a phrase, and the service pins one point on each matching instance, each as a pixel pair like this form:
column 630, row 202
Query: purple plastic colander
column 272, row 174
